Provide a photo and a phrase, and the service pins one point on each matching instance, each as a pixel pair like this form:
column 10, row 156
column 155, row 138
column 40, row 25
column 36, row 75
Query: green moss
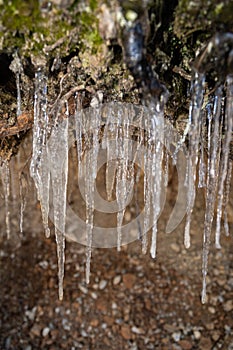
column 202, row 15
column 26, row 28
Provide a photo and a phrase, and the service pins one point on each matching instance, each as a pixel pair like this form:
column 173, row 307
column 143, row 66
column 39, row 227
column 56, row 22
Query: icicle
column 5, row 176
column 17, row 68
column 194, row 140
column 111, row 163
column 22, row 192
column 79, row 130
column 147, row 183
column 214, row 139
column 90, row 173
column 122, row 169
column 39, row 167
column 224, row 156
column 58, row 165
column 226, row 196
column 157, row 125
column 202, row 165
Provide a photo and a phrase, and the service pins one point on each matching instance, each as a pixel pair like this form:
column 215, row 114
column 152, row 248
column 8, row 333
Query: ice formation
column 129, row 134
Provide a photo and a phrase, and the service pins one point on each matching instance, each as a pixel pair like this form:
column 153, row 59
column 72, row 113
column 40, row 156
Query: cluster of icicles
column 111, row 127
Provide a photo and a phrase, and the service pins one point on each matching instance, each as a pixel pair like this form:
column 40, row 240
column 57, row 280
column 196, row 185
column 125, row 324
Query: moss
column 30, row 31
column 202, row 15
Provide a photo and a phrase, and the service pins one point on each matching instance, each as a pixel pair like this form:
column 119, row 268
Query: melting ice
column 129, row 134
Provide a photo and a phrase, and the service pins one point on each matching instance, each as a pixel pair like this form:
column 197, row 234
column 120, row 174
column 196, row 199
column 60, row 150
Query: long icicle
column 5, row 176
column 157, row 125
column 194, row 140
column 58, row 165
column 214, row 148
column 224, row 157
column 39, row 163
column 90, row 173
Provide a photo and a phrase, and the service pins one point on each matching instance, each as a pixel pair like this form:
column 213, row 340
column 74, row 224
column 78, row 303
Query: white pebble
column 197, row 334
column 102, row 284
column 116, row 280
column 45, row 331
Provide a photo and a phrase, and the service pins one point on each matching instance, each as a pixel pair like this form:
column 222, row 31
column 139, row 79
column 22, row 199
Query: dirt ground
column 132, row 302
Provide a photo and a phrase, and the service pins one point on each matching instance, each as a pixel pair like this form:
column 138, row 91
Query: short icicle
column 17, row 67
column 22, row 192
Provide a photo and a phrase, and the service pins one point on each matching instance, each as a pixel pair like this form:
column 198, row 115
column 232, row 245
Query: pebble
column 94, row 295
column 103, row 284
column 116, row 280
column 28, row 347
column 211, row 309
column 129, row 280
column 31, row 313
column 35, row 331
column 197, row 334
column 185, row 345
column 175, row 247
column 45, row 331
column 125, row 332
column 83, row 289
column 228, row 306
column 137, row 330
column 176, row 336
column 215, row 336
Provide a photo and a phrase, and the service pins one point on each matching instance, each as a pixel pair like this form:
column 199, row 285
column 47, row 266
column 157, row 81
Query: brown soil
column 132, row 301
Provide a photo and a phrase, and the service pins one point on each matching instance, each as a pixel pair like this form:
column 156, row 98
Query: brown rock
column 125, row 332
column 35, row 331
column 129, row 280
column 205, row 344
column 185, row 345
column 109, row 320
column 101, row 305
column 94, row 322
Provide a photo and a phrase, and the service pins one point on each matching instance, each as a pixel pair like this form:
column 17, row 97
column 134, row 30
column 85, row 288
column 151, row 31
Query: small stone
column 228, row 306
column 28, row 347
column 175, row 247
column 209, row 326
column 45, row 331
column 116, row 280
column 185, row 345
column 31, row 313
column 211, row 309
column 176, row 336
column 205, row 344
column 35, row 331
column 125, row 332
column 102, row 284
column 129, row 280
column 83, row 289
column 197, row 334
column 94, row 295
column 170, row 327
column 109, row 320
column 94, row 322
column 101, row 305
column 137, row 330
column 215, row 336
